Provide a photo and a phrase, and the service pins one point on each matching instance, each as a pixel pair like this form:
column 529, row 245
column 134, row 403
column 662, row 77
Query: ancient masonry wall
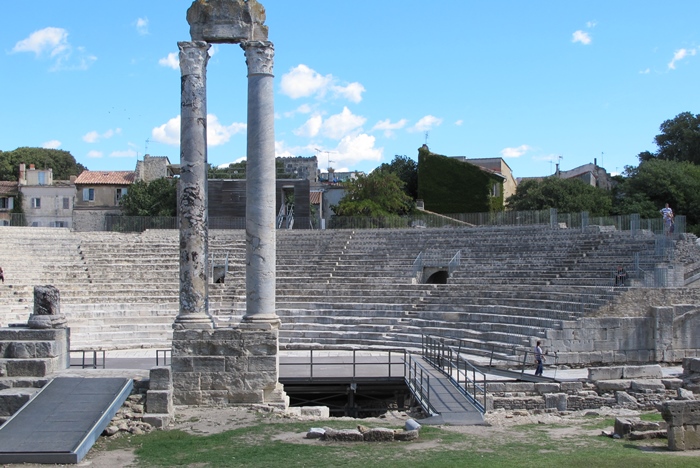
column 226, row 366
column 664, row 334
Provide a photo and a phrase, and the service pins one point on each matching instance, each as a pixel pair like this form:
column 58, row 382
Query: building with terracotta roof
column 45, row 202
column 98, row 195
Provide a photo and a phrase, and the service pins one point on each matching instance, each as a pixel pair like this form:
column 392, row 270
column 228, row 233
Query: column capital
column 259, row 56
column 194, row 56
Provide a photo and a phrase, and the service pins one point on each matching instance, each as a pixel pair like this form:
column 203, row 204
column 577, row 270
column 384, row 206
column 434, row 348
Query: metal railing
column 394, row 357
column 165, row 356
column 457, row 368
column 418, row 381
column 520, row 363
column 89, row 358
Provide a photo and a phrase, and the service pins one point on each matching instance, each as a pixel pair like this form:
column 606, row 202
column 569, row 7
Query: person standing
column 667, row 214
column 539, row 358
column 2, row 275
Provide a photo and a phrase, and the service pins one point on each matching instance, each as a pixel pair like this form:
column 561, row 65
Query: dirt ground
column 203, row 421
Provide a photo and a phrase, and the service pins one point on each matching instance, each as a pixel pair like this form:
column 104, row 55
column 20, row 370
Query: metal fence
column 549, row 218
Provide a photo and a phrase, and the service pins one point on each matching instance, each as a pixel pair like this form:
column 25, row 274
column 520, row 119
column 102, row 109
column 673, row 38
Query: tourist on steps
column 539, row 357
column 2, row 275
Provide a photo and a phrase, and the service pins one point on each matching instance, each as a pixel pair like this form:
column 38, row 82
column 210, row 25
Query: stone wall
column 92, row 220
column 664, row 334
column 226, row 366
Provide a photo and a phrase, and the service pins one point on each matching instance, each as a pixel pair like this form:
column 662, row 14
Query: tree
column 377, row 194
column 566, row 195
column 157, row 198
column 61, row 162
column 679, row 140
column 407, row 170
column 648, row 187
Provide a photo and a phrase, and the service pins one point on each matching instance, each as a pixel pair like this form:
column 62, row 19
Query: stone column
column 192, row 190
column 261, row 250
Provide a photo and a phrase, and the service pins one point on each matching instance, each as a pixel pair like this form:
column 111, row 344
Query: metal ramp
column 62, row 422
column 515, row 375
column 439, row 396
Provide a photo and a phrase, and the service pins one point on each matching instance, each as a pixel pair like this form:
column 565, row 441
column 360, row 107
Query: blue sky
column 358, row 81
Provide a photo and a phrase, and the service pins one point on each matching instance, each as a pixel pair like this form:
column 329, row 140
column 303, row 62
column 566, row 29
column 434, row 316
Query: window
column 6, row 203
column 59, row 224
column 66, row 203
column 36, row 202
column 89, row 194
column 42, row 178
column 120, row 193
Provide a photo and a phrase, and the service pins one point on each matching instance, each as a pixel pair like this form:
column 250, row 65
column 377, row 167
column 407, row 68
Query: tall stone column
column 261, row 250
column 192, row 190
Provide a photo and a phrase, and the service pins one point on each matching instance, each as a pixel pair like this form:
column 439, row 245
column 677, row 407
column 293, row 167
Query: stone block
column 642, row 372
column 526, row 387
column 192, row 398
column 543, row 388
column 180, row 364
column 613, row 385
column 379, row 434
column 160, row 378
column 28, row 368
column 187, row 381
column 604, row 373
column 676, row 438
column 672, row 383
column 159, row 401
column 12, row 400
column 262, row 364
column 691, row 365
column 246, row 397
column 684, row 394
column 236, row 364
column 345, row 435
column 494, row 387
column 321, row 412
column 625, row 399
column 556, row 400
column 406, row 436
column 653, row 385
column 208, row 363
column 681, row 412
column 157, row 420
column 571, row 387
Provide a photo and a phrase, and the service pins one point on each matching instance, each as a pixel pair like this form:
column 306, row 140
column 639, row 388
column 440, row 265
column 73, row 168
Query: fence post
column 584, row 220
column 634, row 223
column 553, row 221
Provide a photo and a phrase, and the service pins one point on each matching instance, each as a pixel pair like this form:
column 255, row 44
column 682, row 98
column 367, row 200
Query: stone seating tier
column 342, row 276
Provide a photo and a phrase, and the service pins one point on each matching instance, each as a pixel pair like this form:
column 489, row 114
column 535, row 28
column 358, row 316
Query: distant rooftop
column 106, row 178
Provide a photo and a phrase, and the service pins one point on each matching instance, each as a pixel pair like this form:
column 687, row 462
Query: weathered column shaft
column 192, row 190
column 261, row 250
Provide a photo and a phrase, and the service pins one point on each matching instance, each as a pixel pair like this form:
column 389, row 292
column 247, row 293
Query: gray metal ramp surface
column 62, row 422
column 516, row 375
column 450, row 404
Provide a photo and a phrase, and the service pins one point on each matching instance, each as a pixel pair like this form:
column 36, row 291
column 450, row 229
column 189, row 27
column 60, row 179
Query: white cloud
column 94, row 154
column 547, row 157
column 645, row 72
column 591, row 24
column 352, row 92
column 426, row 123
column 51, row 144
column 130, row 153
column 459, row 122
column 389, row 127
column 302, row 109
column 168, row 133
column 339, row 125
column 217, row 133
column 515, row 152
column 582, row 37
column 680, row 54
column 311, row 127
column 302, row 81
column 354, row 149
column 53, row 42
column 226, row 165
column 142, row 26
column 171, row 61
column 94, row 137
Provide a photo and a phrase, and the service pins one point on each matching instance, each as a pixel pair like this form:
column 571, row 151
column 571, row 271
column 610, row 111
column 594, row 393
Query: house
column 498, row 166
column 45, row 202
column 590, row 173
column 8, row 196
column 449, row 186
column 155, row 167
column 98, row 195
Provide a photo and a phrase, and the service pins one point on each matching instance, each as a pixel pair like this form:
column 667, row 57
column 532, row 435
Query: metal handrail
column 418, row 382
column 166, row 353
column 94, row 362
column 355, row 364
column 457, row 369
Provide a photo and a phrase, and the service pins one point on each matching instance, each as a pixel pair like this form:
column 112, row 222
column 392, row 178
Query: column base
column 193, row 322
column 262, row 320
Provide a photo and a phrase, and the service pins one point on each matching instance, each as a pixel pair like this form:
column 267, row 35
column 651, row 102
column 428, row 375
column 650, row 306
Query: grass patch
column 522, row 446
column 652, row 417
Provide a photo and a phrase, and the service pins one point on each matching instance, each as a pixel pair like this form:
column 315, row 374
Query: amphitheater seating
column 335, row 287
